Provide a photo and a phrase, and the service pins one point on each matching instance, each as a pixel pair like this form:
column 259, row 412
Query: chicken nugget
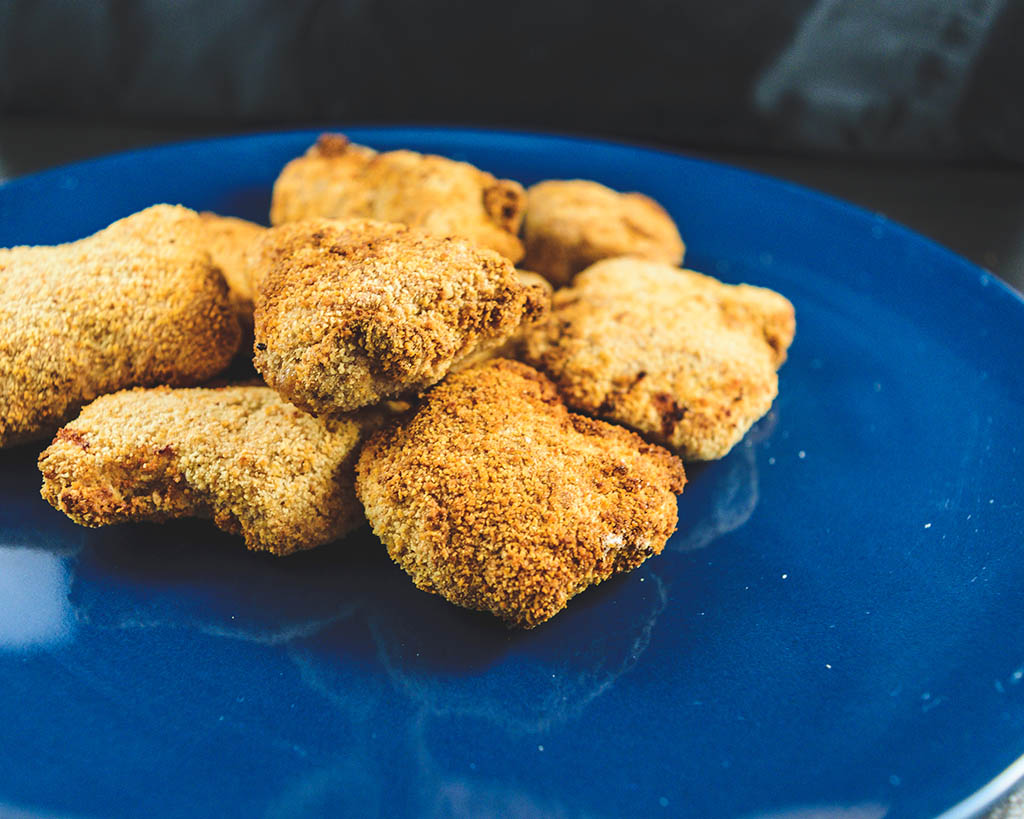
column 684, row 359
column 572, row 223
column 498, row 498
column 231, row 242
column 255, row 464
column 532, row 279
column 338, row 179
column 513, row 347
column 140, row 302
column 351, row 313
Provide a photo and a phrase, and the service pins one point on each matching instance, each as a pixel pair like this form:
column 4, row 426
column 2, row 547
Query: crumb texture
column 349, row 313
column 231, row 242
column 253, row 463
column 572, row 223
column 496, row 497
column 140, row 302
column 513, row 347
column 684, row 359
column 338, row 179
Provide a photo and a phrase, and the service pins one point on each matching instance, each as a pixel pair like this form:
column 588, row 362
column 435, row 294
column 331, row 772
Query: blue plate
column 835, row 630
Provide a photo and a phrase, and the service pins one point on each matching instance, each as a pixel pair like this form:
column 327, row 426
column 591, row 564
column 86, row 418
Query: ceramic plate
column 837, row 628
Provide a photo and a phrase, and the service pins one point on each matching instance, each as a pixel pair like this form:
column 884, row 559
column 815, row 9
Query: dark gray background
column 937, row 79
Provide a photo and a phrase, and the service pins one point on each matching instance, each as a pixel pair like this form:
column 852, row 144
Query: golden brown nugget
column 496, row 497
column 572, row 223
column 231, row 242
column 514, row 346
column 140, row 302
column 338, row 179
column 255, row 464
column 532, row 279
column 684, row 359
column 351, row 313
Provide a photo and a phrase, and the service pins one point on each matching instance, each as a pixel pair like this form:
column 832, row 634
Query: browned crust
column 242, row 456
column 140, row 302
column 684, row 359
column 328, row 145
column 572, row 223
column 230, row 241
column 496, row 497
column 339, row 179
column 540, row 299
column 351, row 313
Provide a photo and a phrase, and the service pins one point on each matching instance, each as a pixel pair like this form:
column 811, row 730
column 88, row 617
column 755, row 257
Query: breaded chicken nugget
column 530, row 279
column 513, row 347
column 572, row 223
column 241, row 455
column 140, row 302
column 338, row 179
column 496, row 497
column 231, row 242
column 681, row 357
column 354, row 312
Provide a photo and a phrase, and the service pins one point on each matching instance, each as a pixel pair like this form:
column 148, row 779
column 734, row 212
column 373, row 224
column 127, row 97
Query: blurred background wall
column 940, row 79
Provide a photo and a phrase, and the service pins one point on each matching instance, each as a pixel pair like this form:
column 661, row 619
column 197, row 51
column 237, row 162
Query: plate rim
column 988, row 794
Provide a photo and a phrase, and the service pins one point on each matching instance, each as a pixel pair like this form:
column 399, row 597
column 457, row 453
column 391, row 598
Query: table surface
column 976, row 211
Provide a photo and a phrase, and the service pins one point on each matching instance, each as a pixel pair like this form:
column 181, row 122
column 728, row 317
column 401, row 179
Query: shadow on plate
column 188, row 575
column 720, row 495
column 26, row 520
column 318, row 606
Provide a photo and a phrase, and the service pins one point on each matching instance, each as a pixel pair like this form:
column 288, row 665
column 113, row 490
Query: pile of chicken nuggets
column 512, row 436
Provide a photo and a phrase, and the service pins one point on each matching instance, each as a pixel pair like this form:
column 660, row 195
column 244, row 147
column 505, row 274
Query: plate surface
column 837, row 628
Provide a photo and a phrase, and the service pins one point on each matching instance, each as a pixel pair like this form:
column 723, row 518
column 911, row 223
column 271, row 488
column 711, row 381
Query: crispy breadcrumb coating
column 231, row 241
column 572, row 223
column 351, row 313
column 513, row 347
column 255, row 464
column 339, row 180
column 496, row 497
column 140, row 302
column 684, row 359
column 530, row 278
